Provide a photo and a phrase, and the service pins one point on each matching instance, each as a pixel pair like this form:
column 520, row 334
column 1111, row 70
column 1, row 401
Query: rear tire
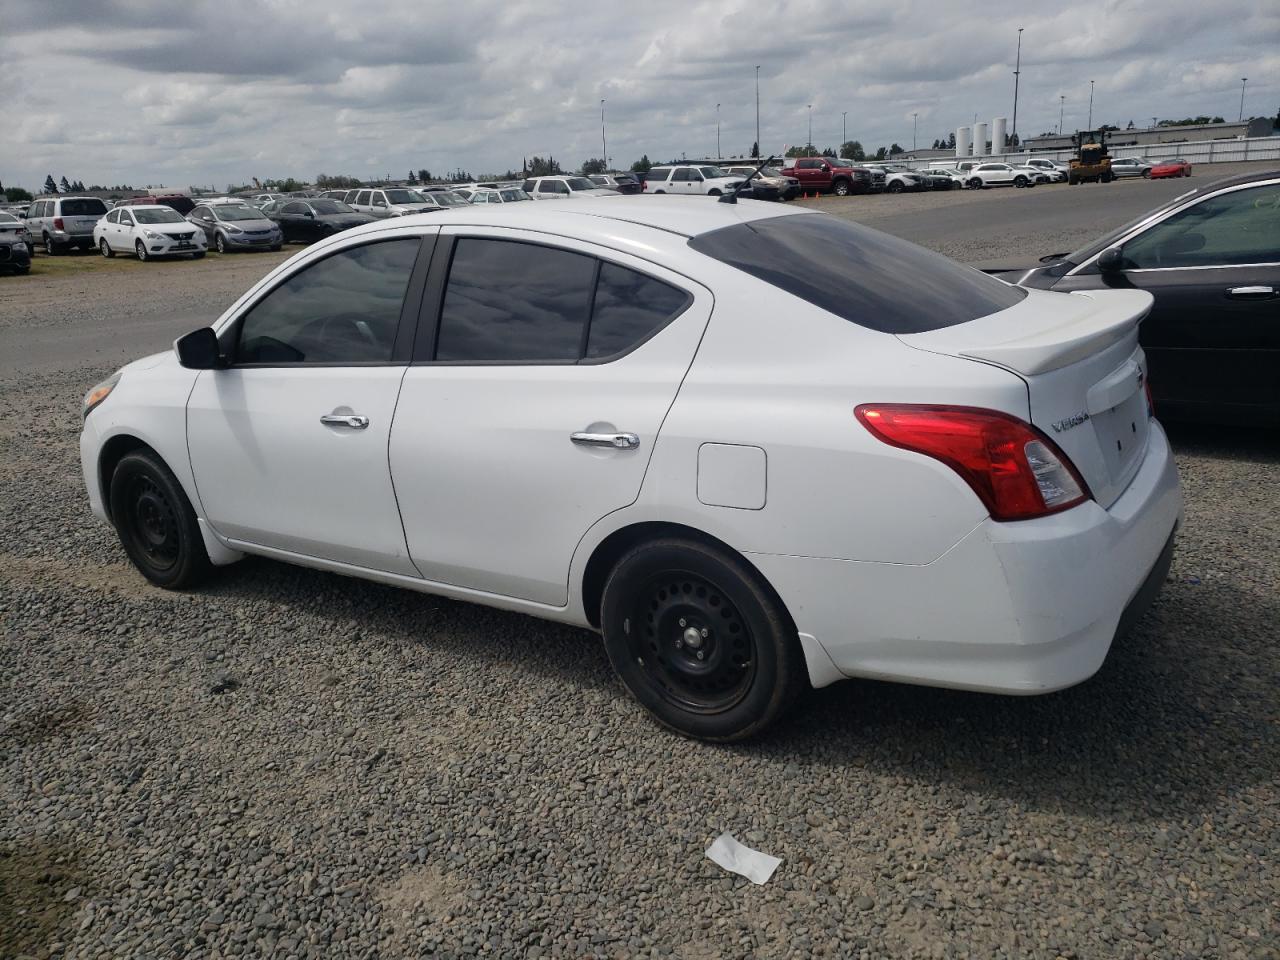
column 894, row 187
column 1146, row 174
column 700, row 641
column 50, row 248
column 975, row 183
column 713, row 193
column 105, row 248
column 1019, row 181
column 155, row 522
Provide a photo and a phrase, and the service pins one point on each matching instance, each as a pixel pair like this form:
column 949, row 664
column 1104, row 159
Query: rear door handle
column 1252, row 293
column 623, row 441
column 340, row 420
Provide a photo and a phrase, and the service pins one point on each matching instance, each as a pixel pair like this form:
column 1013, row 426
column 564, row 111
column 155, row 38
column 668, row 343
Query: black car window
column 528, row 186
column 294, row 209
column 1239, row 227
column 866, row 277
column 684, row 174
column 628, row 309
column 126, row 218
column 362, row 197
column 113, row 216
column 658, row 175
column 83, row 207
column 343, row 309
column 508, row 302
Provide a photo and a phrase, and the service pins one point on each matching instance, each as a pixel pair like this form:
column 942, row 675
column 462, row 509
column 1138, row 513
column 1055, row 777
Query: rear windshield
column 89, row 207
column 866, row 277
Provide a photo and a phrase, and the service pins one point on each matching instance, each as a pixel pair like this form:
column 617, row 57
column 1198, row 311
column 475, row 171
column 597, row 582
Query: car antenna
column 733, row 197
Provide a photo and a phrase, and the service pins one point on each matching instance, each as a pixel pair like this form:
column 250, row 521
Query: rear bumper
column 1018, row 608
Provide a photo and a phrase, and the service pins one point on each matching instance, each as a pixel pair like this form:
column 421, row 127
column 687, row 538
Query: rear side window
column 513, row 302
column 864, row 276
column 658, row 175
column 342, row 309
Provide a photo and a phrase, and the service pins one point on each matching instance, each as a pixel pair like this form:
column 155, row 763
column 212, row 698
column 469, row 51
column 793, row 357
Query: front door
column 1213, row 336
column 289, row 443
column 537, row 409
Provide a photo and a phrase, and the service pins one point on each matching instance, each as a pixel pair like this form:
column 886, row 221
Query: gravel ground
column 289, row 763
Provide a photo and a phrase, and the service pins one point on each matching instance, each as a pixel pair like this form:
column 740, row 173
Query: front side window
column 294, row 209
column 404, row 196
column 343, row 309
column 113, row 216
column 658, row 175
column 125, row 218
column 363, row 197
column 684, row 174
column 1240, row 227
column 553, row 186
column 862, row 275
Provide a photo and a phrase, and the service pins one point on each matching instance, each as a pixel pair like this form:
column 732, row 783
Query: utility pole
column 759, row 149
column 1017, row 71
column 844, row 127
column 809, row 143
column 604, row 144
column 717, row 131
column 1090, row 104
column 1243, row 81
column 913, row 132
column 1062, row 105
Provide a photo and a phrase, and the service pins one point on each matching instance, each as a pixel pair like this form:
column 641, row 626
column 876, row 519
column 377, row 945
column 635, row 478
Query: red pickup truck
column 831, row 175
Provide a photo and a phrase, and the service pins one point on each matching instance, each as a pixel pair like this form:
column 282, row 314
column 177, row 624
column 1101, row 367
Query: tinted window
column 113, row 216
column 294, row 209
column 658, row 174
column 867, row 277
column 344, row 309
column 88, row 207
column 363, row 197
column 528, row 186
column 684, row 174
column 1232, row 228
column 125, row 218
column 508, row 301
column 629, row 308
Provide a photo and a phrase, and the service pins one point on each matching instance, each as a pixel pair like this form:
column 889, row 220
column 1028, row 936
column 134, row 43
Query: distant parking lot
column 290, row 763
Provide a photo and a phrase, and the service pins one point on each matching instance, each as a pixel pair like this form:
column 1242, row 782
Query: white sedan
column 758, row 450
column 147, row 231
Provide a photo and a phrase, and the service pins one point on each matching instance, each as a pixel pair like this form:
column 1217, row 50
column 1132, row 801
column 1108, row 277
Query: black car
column 1211, row 259
column 308, row 220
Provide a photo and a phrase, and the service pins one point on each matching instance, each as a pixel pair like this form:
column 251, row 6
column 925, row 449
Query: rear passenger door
column 536, row 363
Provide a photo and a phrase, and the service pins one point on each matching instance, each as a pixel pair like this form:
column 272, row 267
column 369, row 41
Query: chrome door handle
column 339, row 420
column 623, row 441
column 1259, row 292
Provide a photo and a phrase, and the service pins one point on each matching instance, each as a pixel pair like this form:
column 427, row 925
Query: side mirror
column 1111, row 260
column 199, row 350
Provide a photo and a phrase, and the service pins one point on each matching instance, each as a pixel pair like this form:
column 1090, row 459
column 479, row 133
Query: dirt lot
column 288, row 763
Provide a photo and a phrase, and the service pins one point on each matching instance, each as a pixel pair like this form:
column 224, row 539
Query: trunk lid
column 1078, row 354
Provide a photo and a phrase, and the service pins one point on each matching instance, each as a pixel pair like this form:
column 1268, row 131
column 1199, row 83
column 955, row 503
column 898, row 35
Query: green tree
column 424, row 175
column 594, row 165
column 755, row 151
column 828, row 152
column 412, row 181
column 806, row 151
column 17, row 194
column 50, row 185
column 642, row 165
column 895, row 150
column 852, row 150
column 880, row 152
column 63, row 186
column 539, row 167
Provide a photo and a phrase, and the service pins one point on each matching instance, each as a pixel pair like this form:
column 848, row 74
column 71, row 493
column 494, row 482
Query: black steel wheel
column 700, row 640
column 155, row 522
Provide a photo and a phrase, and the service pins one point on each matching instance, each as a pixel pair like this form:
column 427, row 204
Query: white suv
column 703, row 179
column 1000, row 175
column 391, row 202
column 1056, row 171
column 565, row 188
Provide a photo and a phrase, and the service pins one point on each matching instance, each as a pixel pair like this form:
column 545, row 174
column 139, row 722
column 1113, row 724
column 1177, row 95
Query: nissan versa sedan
column 758, row 450
column 1210, row 258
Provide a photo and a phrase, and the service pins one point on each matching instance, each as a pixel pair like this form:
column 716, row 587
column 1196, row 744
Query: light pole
column 1243, row 81
column 1017, row 71
column 717, row 131
column 809, row 143
column 1090, row 104
column 844, row 127
column 604, row 144
column 913, row 132
column 758, row 150
column 1062, row 104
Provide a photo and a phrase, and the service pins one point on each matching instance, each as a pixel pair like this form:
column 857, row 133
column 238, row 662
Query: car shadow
column 1131, row 742
column 1252, row 444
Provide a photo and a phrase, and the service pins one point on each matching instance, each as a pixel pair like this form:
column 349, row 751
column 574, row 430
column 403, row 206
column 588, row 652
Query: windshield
column 83, row 208
column 330, row 206
column 869, row 278
column 404, row 196
column 236, row 212
column 157, row 215
column 514, row 194
column 710, row 172
column 581, row 183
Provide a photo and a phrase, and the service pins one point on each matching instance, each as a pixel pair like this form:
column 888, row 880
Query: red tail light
column 644, row 185
column 1016, row 471
column 57, row 223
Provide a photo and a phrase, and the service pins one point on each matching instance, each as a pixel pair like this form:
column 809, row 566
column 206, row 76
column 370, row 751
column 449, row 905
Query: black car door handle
column 1251, row 293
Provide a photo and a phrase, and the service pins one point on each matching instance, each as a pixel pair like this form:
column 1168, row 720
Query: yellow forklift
column 1092, row 162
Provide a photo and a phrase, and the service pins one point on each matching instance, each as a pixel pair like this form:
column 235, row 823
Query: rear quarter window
column 864, row 276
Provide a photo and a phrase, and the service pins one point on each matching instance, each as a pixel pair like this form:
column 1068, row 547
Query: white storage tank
column 998, row 129
column 963, row 144
column 979, row 139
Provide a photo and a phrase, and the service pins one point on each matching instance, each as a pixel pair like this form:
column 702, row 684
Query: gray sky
column 212, row 93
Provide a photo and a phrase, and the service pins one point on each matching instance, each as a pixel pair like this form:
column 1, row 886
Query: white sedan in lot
column 148, row 231
column 593, row 413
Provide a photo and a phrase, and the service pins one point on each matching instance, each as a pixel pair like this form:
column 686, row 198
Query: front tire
column 841, row 188
column 700, row 640
column 155, row 522
column 1146, row 174
column 975, row 183
column 895, row 187
column 220, row 243
column 140, row 249
column 105, row 249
